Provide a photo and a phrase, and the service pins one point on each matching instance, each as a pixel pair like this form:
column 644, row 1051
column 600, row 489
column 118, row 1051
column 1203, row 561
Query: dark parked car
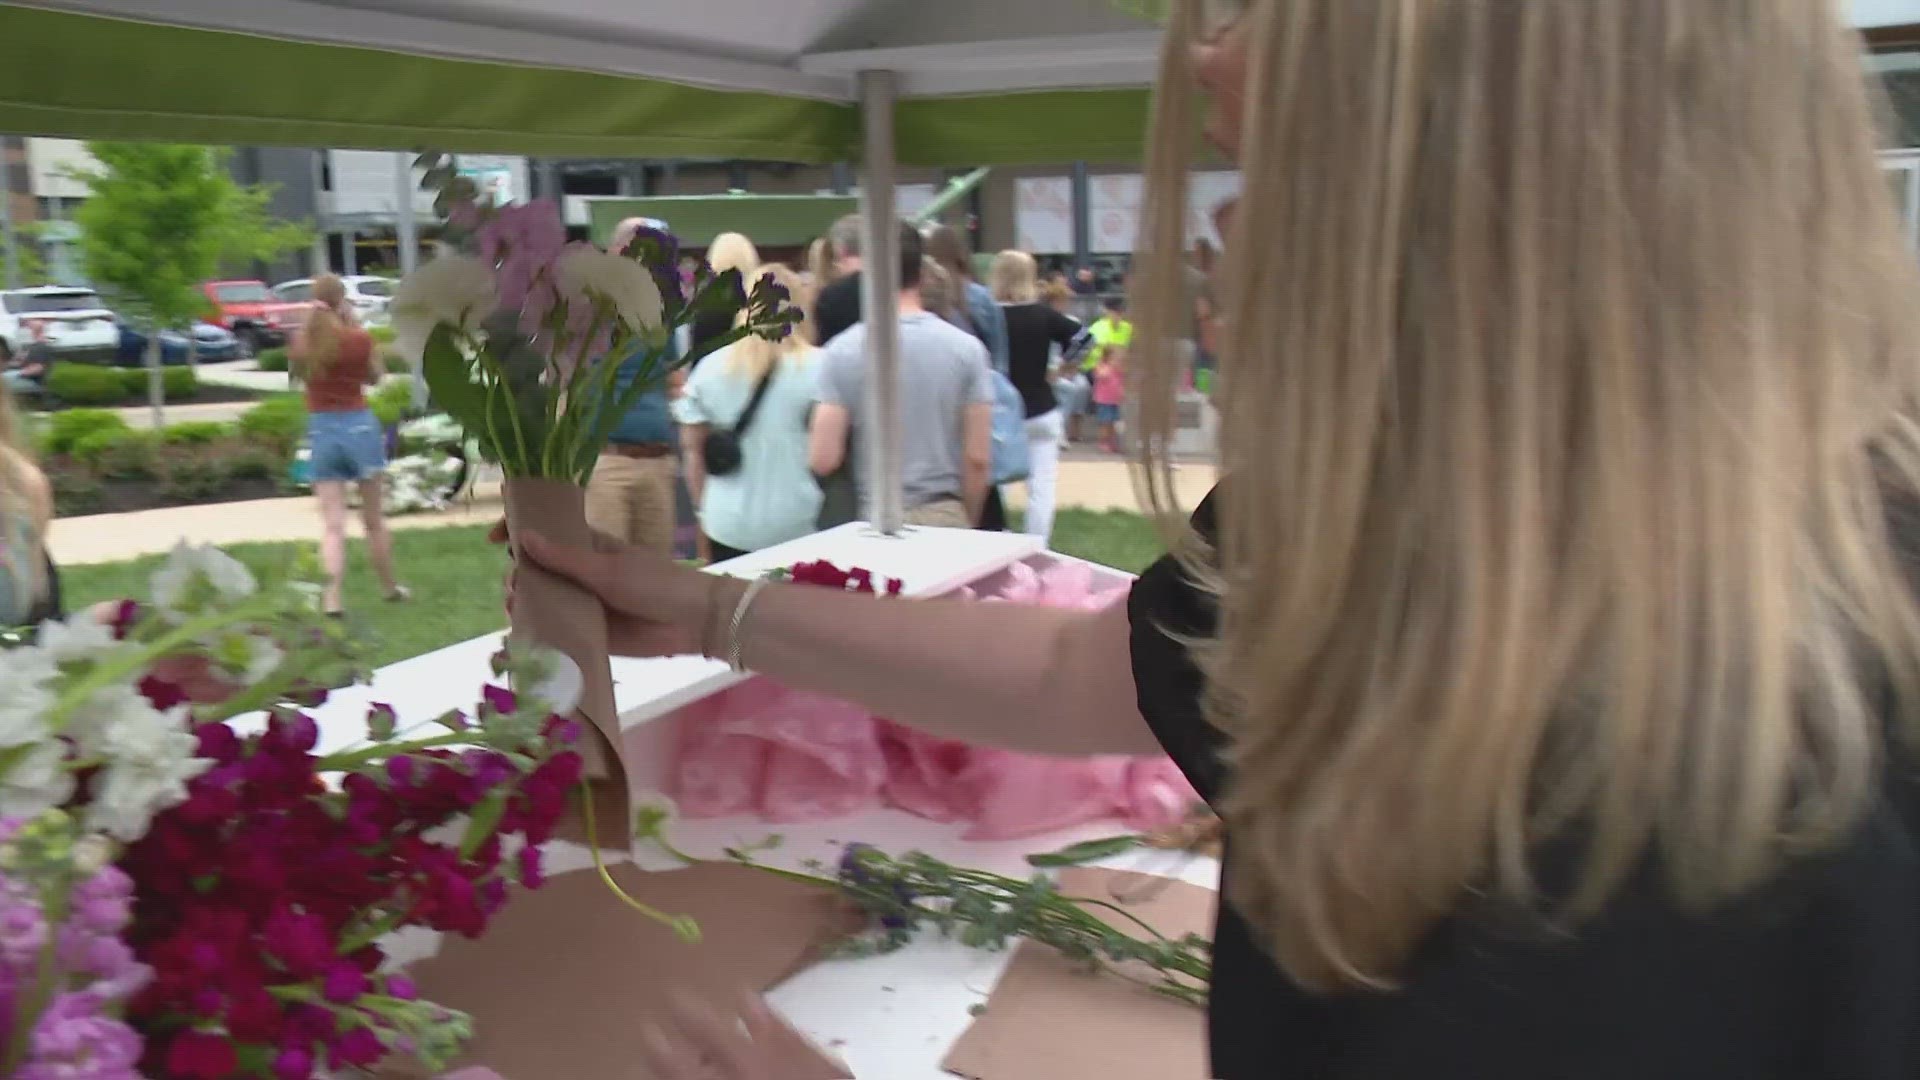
column 215, row 345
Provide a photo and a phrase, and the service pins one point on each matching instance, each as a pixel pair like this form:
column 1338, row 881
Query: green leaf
column 450, row 379
column 1087, row 851
column 485, row 820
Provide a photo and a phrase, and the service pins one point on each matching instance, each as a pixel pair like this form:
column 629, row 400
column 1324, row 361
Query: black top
column 837, row 309
column 1820, row 980
column 1032, row 331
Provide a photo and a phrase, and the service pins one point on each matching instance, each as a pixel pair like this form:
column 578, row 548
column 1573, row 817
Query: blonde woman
column 1549, row 653
column 729, row 251
column 29, row 589
column 755, row 395
column 334, row 360
column 1037, row 333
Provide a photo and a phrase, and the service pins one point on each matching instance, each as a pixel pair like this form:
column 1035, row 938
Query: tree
column 150, row 234
column 246, row 231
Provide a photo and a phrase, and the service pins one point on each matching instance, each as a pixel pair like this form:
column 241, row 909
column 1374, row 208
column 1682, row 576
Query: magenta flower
column 344, row 984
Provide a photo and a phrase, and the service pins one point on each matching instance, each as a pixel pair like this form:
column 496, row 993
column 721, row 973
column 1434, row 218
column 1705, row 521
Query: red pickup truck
column 258, row 318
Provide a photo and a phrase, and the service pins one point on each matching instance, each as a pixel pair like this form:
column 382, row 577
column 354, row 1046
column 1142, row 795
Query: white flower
column 195, row 575
column 148, row 763
column 98, row 720
column 78, row 639
column 26, row 696
column 90, row 853
column 454, row 290
column 583, row 268
column 37, row 782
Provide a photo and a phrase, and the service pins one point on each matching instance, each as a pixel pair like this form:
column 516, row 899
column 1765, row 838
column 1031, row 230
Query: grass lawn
column 455, row 576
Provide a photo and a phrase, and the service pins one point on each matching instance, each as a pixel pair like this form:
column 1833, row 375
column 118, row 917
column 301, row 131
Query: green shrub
column 278, row 423
column 69, row 427
column 272, row 360
column 392, row 401
column 195, row 478
column 178, row 383
column 195, row 433
column 84, row 384
column 76, row 493
column 122, row 455
column 244, row 462
column 382, row 334
column 396, row 364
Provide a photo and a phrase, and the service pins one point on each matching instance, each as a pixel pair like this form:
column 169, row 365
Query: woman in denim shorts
column 334, row 358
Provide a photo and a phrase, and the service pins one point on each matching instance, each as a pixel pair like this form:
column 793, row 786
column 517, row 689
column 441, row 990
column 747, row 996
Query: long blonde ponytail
column 1563, row 342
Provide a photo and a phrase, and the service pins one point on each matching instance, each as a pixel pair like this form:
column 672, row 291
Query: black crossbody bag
column 722, row 448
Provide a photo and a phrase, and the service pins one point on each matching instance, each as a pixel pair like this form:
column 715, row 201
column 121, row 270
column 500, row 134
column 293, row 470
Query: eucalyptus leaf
column 449, row 377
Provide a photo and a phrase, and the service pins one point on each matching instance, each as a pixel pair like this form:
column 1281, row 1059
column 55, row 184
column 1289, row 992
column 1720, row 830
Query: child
column 1109, row 390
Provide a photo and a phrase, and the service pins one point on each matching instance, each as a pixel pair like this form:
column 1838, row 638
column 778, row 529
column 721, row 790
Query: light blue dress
column 773, row 498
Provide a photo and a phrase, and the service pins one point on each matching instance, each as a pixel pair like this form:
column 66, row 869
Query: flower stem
column 684, row 926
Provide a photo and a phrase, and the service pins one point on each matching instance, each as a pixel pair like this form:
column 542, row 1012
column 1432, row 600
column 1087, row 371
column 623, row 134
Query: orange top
column 342, row 386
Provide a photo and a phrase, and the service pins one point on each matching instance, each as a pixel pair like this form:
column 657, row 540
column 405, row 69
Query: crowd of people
column 789, row 414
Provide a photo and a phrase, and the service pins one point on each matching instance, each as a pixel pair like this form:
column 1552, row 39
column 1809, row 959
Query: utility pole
column 406, row 229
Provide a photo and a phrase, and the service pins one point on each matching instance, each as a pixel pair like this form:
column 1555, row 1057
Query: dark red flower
column 162, row 694
column 199, row 1055
column 254, row 1017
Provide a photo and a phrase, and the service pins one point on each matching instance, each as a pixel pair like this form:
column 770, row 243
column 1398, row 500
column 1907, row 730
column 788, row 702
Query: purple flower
column 72, row 1040
column 359, row 1047
column 23, row 930
column 501, row 698
column 399, row 986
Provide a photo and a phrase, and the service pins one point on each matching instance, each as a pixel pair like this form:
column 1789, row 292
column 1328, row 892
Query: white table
column 891, row 1017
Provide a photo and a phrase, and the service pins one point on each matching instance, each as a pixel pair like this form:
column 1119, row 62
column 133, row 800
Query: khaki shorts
column 632, row 499
column 945, row 514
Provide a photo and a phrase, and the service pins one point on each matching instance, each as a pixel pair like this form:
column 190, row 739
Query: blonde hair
column 18, row 500
column 750, row 357
column 1014, row 278
column 1562, row 342
column 324, row 327
column 732, row 251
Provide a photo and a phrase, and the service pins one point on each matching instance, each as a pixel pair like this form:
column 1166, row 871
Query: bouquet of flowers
column 538, row 347
column 190, row 887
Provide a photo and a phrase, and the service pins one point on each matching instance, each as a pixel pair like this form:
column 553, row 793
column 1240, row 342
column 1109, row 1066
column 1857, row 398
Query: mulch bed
column 124, row 496
column 208, row 394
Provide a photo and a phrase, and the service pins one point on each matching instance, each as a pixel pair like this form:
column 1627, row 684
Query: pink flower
column 293, row 1063
column 401, row 987
column 531, row 874
column 523, row 242
column 344, row 984
column 357, row 1049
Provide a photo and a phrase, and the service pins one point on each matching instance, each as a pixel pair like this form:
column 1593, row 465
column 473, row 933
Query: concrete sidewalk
column 1102, row 484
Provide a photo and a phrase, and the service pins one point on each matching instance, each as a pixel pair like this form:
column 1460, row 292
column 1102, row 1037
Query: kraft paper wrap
column 566, row 975
column 1050, row 1019
column 561, row 615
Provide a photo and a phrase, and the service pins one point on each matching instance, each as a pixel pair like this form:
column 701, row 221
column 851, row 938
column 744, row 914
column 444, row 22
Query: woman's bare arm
column 1028, row 678
column 693, row 459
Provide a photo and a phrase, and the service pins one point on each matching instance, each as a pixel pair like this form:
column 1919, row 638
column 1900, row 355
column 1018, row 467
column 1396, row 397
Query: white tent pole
column 880, row 301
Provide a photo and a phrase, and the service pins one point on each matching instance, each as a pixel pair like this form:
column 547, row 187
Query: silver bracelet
column 735, row 643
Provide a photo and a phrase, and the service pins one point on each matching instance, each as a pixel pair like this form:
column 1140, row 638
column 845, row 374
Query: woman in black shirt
column 1036, row 333
column 1547, row 651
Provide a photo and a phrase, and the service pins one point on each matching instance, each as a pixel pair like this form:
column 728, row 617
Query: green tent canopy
column 986, row 82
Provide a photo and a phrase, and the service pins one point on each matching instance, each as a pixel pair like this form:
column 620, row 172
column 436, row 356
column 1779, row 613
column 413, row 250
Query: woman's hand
column 655, row 607
column 698, row 1040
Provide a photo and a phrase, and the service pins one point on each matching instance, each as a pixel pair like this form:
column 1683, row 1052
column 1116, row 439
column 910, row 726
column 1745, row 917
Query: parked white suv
column 369, row 295
column 72, row 324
